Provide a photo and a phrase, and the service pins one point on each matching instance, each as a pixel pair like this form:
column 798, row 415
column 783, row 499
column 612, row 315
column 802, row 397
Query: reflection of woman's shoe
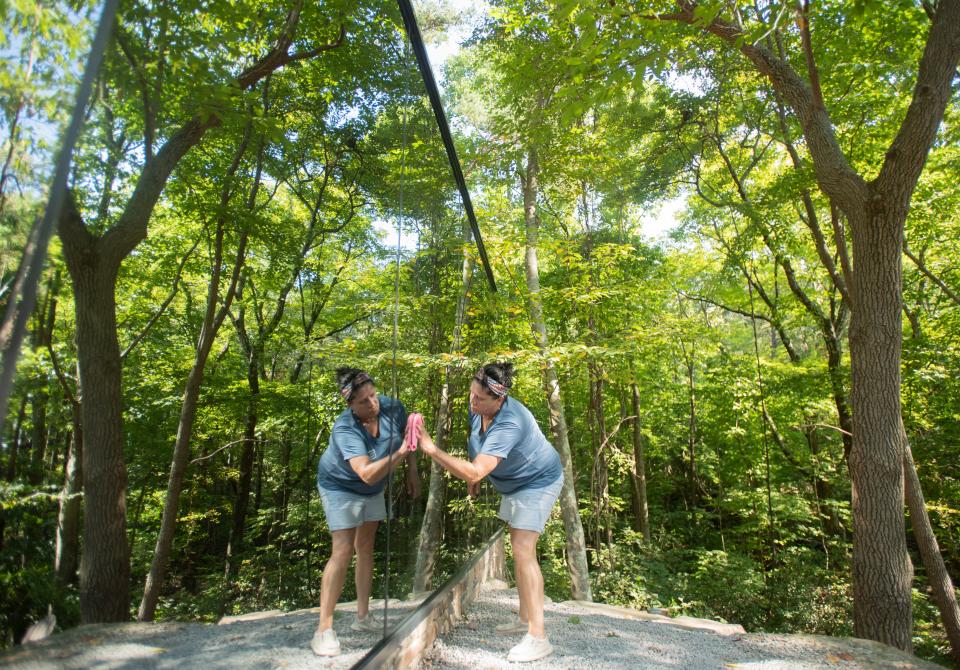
column 325, row 643
column 530, row 649
column 512, row 627
column 368, row 624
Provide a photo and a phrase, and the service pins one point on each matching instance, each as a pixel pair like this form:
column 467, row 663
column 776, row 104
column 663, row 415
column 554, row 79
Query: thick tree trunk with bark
column 882, row 572
column 432, row 525
column 575, row 543
column 105, row 561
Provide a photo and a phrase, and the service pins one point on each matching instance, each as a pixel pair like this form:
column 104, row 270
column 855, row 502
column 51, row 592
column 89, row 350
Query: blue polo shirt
column 528, row 460
column 350, row 439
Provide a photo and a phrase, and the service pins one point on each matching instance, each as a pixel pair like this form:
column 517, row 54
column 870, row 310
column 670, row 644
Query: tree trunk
column 941, row 586
column 601, row 474
column 15, row 439
column 38, row 432
column 68, row 516
column 641, row 515
column 575, row 543
column 105, row 559
column 432, row 525
column 247, row 454
column 178, row 468
column 212, row 320
column 882, row 571
column 692, row 487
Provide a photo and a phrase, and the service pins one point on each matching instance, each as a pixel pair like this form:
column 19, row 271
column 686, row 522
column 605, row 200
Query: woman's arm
column 469, row 472
column 371, row 472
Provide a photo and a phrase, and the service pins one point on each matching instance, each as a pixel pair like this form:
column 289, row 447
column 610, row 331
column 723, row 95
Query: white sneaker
column 369, row 624
column 530, row 649
column 325, row 643
column 512, row 627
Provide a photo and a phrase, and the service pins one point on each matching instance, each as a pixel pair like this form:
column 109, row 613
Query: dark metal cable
column 309, row 451
column 423, row 64
column 58, row 192
column 396, row 343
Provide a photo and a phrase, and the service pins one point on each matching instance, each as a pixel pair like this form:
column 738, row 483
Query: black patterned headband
column 347, row 389
column 496, row 388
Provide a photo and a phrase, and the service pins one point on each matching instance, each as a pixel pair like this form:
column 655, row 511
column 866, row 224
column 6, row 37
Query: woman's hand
column 426, row 443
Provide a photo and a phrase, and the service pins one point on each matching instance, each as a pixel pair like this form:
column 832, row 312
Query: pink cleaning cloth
column 414, row 426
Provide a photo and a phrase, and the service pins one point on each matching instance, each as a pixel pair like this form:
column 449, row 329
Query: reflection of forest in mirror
column 241, row 165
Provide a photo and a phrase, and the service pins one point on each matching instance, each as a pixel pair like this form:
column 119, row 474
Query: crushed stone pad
column 586, row 637
column 267, row 640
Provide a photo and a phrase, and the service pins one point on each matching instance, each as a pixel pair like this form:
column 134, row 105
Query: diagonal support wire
column 423, row 64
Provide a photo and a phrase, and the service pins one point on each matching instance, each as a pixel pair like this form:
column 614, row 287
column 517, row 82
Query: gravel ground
column 586, row 638
column 265, row 640
column 583, row 637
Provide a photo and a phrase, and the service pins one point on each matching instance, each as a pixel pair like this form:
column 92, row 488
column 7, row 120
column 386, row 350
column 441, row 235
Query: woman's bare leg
column 363, row 545
column 529, row 579
column 334, row 575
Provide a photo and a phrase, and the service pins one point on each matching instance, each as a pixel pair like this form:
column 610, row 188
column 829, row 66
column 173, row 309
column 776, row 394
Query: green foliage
column 27, row 582
column 799, row 591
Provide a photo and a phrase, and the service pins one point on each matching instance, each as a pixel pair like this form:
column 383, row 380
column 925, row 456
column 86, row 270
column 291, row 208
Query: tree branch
column 217, row 451
column 131, row 228
column 727, row 308
column 907, row 154
column 812, row 220
column 123, row 39
column 840, row 239
column 340, row 329
column 58, row 371
column 834, row 174
column 934, row 278
column 803, row 23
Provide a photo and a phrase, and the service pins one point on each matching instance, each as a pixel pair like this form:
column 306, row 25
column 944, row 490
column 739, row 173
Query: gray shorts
column 350, row 510
column 529, row 509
